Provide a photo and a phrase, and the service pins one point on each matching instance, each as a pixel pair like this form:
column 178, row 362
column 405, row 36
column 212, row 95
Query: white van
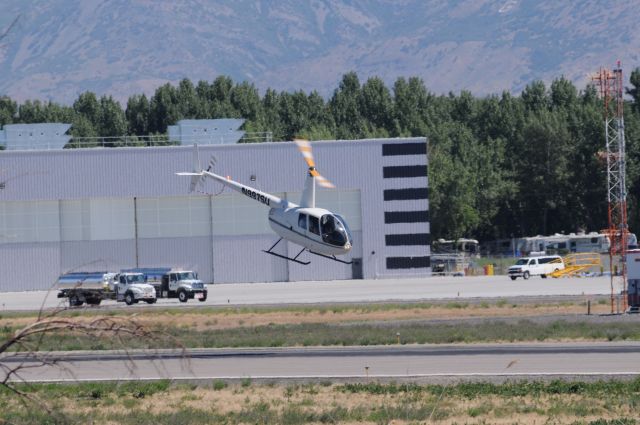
column 536, row 266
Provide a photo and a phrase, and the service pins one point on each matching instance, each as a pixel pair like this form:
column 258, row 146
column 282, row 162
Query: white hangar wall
column 106, row 209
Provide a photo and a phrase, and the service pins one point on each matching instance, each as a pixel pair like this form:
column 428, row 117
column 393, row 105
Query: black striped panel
column 398, row 171
column 404, row 149
column 408, row 262
column 408, row 239
column 404, row 194
column 391, row 217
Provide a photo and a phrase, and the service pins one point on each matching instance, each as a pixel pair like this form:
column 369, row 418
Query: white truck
column 93, row 287
column 536, row 266
column 183, row 285
column 172, row 283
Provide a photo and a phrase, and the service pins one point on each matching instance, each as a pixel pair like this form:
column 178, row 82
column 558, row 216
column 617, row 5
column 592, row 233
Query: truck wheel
column 203, row 299
column 513, row 277
column 544, row 276
column 75, row 301
column 128, row 298
column 525, row 275
column 183, row 296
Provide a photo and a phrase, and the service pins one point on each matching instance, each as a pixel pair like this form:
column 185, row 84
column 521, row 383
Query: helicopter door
column 314, row 225
column 302, row 222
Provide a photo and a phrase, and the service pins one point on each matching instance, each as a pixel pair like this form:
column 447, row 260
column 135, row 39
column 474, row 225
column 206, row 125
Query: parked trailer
column 571, row 243
column 93, row 287
column 633, row 280
column 170, row 283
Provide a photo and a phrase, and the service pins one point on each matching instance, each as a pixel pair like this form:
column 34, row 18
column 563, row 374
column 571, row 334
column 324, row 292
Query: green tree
column 535, row 96
column 220, row 103
column 82, row 127
column 543, row 172
column 87, row 113
column 31, row 112
column 452, row 196
column 634, row 91
column 411, row 102
column 188, row 102
column 87, row 105
column 376, row 106
column 111, row 121
column 245, row 101
column 345, row 109
column 138, row 114
column 8, row 110
column 563, row 93
column 163, row 109
column 320, row 120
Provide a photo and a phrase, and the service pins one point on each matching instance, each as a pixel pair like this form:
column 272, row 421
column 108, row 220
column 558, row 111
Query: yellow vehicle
column 578, row 263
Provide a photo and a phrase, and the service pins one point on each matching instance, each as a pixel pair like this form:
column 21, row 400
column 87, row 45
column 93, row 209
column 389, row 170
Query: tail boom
column 255, row 194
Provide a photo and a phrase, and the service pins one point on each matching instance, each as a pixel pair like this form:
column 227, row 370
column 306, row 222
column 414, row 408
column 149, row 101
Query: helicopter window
column 302, row 221
column 328, row 223
column 333, row 232
column 314, row 225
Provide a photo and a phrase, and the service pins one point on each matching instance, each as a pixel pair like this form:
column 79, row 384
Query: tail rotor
column 198, row 177
column 212, row 163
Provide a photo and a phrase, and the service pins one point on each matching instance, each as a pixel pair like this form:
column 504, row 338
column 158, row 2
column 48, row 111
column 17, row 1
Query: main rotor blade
column 323, row 182
column 305, row 149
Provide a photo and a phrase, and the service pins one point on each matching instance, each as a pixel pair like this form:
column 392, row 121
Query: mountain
column 60, row 48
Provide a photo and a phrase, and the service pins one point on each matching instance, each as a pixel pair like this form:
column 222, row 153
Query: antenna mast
column 611, row 91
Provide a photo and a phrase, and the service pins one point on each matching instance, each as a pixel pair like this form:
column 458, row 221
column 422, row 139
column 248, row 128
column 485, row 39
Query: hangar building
column 112, row 208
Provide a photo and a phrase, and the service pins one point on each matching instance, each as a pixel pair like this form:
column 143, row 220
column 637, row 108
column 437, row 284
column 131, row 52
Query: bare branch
column 23, row 347
column 23, row 350
column 10, row 27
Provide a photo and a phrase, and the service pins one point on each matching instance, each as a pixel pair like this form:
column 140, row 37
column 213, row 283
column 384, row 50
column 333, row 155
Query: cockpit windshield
column 333, row 230
column 135, row 278
column 344, row 224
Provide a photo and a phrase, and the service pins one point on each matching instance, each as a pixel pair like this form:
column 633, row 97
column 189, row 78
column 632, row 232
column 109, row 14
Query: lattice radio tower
column 611, row 90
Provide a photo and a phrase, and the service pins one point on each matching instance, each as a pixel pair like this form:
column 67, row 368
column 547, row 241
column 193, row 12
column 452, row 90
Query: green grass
column 96, row 390
column 471, row 390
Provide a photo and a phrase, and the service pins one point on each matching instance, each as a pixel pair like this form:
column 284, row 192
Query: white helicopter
column 317, row 230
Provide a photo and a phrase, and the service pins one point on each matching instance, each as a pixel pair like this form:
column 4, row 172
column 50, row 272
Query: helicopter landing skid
column 332, row 257
column 294, row 259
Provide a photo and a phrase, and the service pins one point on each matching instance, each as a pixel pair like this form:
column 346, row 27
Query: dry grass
column 229, row 318
column 316, row 401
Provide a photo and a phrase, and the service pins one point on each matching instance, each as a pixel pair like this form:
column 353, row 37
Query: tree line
column 500, row 166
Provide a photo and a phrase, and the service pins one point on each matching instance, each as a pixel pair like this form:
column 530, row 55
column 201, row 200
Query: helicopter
column 317, row 230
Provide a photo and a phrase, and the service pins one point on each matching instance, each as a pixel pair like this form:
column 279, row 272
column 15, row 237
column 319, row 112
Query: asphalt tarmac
column 413, row 363
column 351, row 291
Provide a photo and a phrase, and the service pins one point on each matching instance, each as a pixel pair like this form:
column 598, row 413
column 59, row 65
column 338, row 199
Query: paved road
column 355, row 291
column 418, row 363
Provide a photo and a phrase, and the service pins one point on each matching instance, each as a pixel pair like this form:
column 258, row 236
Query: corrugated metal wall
column 391, row 228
